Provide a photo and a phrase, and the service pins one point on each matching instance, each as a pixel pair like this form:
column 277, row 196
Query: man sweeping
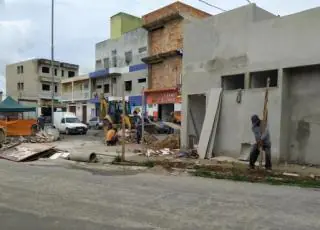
column 262, row 143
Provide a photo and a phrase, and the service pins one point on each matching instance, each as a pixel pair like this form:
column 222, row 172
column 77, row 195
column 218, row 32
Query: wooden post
column 142, row 121
column 264, row 118
column 123, row 123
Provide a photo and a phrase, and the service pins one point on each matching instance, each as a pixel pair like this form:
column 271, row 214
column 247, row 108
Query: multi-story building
column 30, row 82
column 118, row 62
column 75, row 92
column 165, row 45
column 265, row 46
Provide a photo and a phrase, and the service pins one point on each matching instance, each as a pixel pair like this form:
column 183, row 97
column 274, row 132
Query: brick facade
column 167, row 73
column 167, row 38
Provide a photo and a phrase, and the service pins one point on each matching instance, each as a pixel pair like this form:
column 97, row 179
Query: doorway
column 165, row 111
column 84, row 113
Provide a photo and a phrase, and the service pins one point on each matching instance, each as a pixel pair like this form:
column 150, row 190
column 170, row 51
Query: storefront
column 162, row 103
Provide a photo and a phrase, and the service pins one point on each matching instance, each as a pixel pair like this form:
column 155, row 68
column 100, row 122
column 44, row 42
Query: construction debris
column 171, row 141
column 26, row 152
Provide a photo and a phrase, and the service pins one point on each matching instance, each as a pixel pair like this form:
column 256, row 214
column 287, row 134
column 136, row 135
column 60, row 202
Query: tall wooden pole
column 264, row 118
column 123, row 124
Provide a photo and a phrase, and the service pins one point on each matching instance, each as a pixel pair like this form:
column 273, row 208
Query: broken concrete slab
column 207, row 128
column 25, row 152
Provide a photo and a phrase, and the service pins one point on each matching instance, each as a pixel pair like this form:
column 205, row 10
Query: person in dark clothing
column 138, row 126
column 41, row 121
column 262, row 142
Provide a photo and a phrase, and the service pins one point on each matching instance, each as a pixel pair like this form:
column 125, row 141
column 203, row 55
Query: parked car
column 95, row 123
column 68, row 123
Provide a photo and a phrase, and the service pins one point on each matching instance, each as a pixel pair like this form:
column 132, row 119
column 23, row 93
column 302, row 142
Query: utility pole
column 52, row 59
column 123, row 123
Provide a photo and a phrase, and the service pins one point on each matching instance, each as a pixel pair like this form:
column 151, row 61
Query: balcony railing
column 48, row 95
column 48, row 78
column 76, row 96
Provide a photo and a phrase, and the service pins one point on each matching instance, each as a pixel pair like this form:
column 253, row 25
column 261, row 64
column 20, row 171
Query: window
column 106, row 63
column 45, row 69
column 86, row 85
column 55, row 88
column 71, row 74
column 260, row 79
column 142, row 49
column 106, row 88
column 20, row 86
column 232, row 82
column 142, row 80
column 63, row 121
column 55, row 72
column 19, row 69
column 128, row 85
column 114, row 58
column 98, row 64
column 45, row 87
column 128, row 57
column 114, row 61
column 62, row 73
column 99, row 86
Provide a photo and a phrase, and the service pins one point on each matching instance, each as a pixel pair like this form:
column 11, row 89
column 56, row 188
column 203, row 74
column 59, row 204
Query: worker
column 138, row 125
column 112, row 137
column 262, row 142
column 41, row 122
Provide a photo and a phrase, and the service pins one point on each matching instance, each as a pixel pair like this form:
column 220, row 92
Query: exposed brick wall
column 166, row 74
column 166, row 39
column 171, row 9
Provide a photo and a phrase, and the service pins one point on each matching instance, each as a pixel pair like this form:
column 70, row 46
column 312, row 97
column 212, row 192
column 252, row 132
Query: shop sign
column 162, row 97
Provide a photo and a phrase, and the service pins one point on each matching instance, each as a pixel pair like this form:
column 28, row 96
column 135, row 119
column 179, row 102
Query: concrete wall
column 136, row 86
column 262, row 42
column 131, row 41
column 304, row 115
column 29, row 78
column 122, row 23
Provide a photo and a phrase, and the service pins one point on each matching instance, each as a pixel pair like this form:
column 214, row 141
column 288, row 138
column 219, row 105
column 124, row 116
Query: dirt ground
column 93, row 142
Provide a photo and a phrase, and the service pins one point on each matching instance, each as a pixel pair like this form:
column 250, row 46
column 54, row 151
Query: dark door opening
column 84, row 114
column 165, row 111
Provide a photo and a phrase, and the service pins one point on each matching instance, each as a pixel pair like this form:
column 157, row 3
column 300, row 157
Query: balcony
column 48, row 95
column 47, row 78
column 81, row 95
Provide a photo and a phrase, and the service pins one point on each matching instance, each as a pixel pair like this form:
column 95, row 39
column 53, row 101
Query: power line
column 214, row 6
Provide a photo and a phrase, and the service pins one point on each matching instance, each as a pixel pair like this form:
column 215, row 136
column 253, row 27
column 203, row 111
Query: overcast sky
column 25, row 25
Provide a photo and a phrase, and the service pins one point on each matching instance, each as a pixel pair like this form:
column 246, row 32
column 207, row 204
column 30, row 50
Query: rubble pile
column 171, row 142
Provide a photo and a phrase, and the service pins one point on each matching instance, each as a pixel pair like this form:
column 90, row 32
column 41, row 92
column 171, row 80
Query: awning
column 10, row 105
column 99, row 73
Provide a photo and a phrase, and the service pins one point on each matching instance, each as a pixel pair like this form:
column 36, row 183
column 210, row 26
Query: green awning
column 11, row 105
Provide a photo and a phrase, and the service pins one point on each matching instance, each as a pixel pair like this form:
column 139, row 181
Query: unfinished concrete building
column 237, row 51
column 165, row 56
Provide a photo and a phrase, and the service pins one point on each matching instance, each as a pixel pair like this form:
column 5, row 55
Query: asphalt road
column 43, row 197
